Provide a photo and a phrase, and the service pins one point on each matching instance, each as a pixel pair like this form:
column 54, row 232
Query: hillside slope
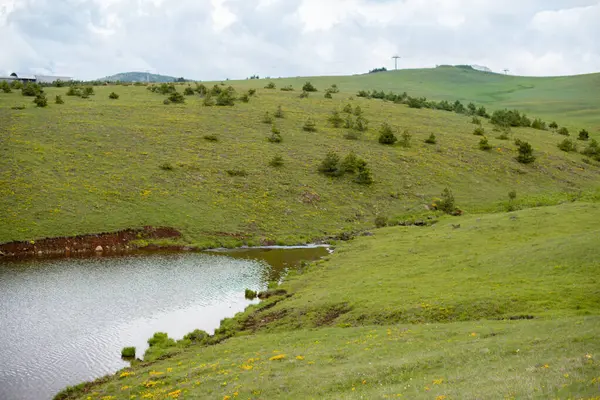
column 505, row 306
column 96, row 165
column 138, row 77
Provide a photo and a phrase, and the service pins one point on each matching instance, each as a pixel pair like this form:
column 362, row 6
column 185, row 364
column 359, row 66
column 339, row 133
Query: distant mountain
column 139, row 77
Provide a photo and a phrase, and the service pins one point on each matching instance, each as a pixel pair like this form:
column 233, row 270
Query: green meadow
column 98, row 164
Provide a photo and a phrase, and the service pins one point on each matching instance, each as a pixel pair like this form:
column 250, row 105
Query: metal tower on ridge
column 396, row 61
column 506, row 70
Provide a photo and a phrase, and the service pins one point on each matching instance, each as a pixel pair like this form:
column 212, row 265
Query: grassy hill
column 504, row 306
column 95, row 165
column 138, row 77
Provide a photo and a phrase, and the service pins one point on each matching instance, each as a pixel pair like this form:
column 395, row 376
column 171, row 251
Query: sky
column 219, row 39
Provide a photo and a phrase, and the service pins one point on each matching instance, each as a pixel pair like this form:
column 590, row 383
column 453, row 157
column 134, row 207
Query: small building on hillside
column 37, row 78
column 23, row 77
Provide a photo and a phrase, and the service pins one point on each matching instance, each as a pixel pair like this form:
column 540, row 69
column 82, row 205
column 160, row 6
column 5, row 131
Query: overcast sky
column 217, row 39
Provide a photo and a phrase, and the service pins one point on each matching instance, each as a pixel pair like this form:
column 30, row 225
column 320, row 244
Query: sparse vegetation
column 583, row 135
column 58, row 99
column 484, row 144
column 386, row 134
column 567, row 145
column 113, row 96
column 525, row 153
column 308, row 87
column 563, row 131
column 310, row 125
column 431, row 139
column 276, row 161
column 128, row 352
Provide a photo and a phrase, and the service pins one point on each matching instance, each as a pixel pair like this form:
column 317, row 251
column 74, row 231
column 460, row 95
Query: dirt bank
column 105, row 243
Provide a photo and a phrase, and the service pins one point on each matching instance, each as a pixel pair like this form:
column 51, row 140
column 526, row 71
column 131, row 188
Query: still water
column 65, row 321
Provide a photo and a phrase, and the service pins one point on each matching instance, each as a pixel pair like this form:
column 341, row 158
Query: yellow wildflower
column 277, row 357
column 169, row 369
column 247, row 367
column 125, row 387
column 126, row 374
column 364, row 382
column 473, row 334
column 300, row 358
column 438, row 381
column 174, row 394
column 226, row 397
column 441, row 397
column 588, row 356
column 156, row 373
column 235, row 394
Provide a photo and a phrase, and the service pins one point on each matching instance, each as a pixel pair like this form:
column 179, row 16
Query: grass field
column 415, row 313
column 93, row 165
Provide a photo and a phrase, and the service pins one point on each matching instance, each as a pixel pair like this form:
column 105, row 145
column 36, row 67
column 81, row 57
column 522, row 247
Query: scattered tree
column 484, row 144
column 308, row 87
column 310, row 125
column 270, row 85
column 59, row 100
column 405, row 138
column 525, row 153
column 563, row 131
column 335, row 119
column 276, row 162
column 386, row 134
column 431, row 139
column 583, row 135
column 188, row 91
column 40, row 100
column 113, row 96
column 330, row 166
column 279, row 112
column 567, row 145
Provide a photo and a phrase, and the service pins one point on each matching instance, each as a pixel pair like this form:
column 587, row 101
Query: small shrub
column 446, row 204
column 177, row 98
column 330, row 166
column 267, row 119
column 166, row 102
column 348, row 123
column 288, row 88
column 211, row 138
column 386, row 134
column 128, row 352
column 41, row 100
column 245, row 98
column 479, row 132
column 310, row 125
column 381, row 221
column 405, row 138
column 563, row 131
column 73, row 91
column 538, row 124
column 308, row 87
column 20, row 107
column 251, row 92
column 334, row 89
column 503, row 136
column 201, row 89
column 197, row 336
column 351, row 163
column 88, row 91
column 335, row 119
column 484, row 144
column 347, row 109
column 275, row 137
column 236, row 172
column 113, row 96
column 364, row 176
column 166, row 166
column 17, row 85
column 250, row 294
column 5, row 87
column 276, row 162
column 512, row 195
column 58, row 99
column 208, row 100
column 476, row 121
column 303, row 95
column 583, row 135
column 160, row 339
column 431, row 139
column 525, row 153
column 567, row 145
column 279, row 112
column 31, row 89
column 553, row 125
column 361, row 124
column 328, row 95
column 270, row 85
column 357, row 111
column 188, row 91
column 226, row 98
column 592, row 150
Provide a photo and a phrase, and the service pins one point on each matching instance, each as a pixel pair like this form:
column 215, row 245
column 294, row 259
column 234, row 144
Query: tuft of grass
column 128, row 352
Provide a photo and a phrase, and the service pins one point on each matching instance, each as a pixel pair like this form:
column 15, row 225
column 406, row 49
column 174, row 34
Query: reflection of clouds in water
column 64, row 321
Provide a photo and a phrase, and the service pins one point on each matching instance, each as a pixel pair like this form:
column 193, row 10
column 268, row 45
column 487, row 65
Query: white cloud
column 215, row 39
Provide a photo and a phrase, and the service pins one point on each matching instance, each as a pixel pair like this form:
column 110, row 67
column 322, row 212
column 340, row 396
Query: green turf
column 93, row 165
column 426, row 315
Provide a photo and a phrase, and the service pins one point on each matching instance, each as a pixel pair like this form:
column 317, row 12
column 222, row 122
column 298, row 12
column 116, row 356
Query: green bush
column 386, row 134
column 226, row 97
column 352, row 135
column 308, row 87
column 267, row 119
column 335, row 119
column 113, row 96
column 447, row 203
column 211, row 138
column 347, row 109
column 88, row 91
column 197, row 336
column 176, row 97
column 73, row 91
column 128, row 352
column 553, row 125
column 479, row 132
column 348, row 123
column 276, row 162
column 334, row 89
column 303, row 95
column 166, row 166
column 17, row 85
column 270, row 85
column 166, row 102
column 310, row 125
column 41, row 100
column 31, row 89
column 361, row 124
column 188, row 91
column 381, row 221
column 357, row 111
column 245, row 98
column 330, row 166
column 251, row 92
column 19, row 107
column 201, row 89
column 288, row 88
column 160, row 339
column 567, row 145
column 512, row 195
column 583, row 135
column 364, row 176
column 5, row 87
column 405, row 138
column 484, row 144
column 208, row 100
column 275, row 137
column 250, row 294
column 476, row 121
column 431, row 139
column 538, row 124
column 58, row 99
column 328, row 95
column 563, row 131
column 279, row 112
column 525, row 153
column 236, row 172
column 351, row 163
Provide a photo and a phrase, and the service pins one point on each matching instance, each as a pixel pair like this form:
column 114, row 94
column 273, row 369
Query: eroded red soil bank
column 105, row 243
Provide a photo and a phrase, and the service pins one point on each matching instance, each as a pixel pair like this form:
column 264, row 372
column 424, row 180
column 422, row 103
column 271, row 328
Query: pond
column 65, row 321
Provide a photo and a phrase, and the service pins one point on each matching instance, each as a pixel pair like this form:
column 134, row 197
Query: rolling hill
column 138, row 77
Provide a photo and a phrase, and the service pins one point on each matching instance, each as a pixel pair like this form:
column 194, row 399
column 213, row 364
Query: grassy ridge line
column 93, row 165
column 452, row 281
